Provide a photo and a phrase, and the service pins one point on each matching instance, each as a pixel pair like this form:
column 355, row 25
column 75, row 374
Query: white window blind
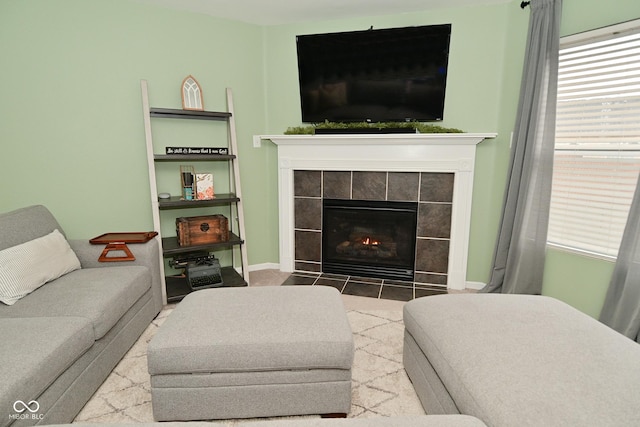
column 597, row 151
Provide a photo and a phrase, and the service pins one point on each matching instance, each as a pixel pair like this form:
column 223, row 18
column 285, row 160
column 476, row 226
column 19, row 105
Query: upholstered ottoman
column 252, row 352
column 520, row 360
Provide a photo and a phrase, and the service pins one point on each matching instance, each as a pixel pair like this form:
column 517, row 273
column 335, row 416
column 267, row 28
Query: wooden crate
column 202, row 230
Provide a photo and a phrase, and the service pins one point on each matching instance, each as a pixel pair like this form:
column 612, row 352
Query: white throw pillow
column 26, row 267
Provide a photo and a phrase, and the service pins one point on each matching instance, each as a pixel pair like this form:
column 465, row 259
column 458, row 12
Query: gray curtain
column 518, row 261
column 621, row 309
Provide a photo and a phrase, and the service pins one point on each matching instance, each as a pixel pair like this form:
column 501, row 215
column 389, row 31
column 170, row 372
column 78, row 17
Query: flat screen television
column 381, row 75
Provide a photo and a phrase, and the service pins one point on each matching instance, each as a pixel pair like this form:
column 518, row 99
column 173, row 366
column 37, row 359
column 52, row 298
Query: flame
column 369, row 241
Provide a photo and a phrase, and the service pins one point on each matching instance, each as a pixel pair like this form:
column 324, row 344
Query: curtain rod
column 524, row 4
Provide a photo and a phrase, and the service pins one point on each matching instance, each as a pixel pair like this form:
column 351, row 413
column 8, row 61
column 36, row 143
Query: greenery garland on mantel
column 417, row 126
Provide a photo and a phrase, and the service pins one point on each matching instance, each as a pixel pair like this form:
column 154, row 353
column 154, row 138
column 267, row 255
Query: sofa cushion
column 527, row 360
column 373, row 421
column 22, row 225
column 27, row 266
column 102, row 295
column 34, row 352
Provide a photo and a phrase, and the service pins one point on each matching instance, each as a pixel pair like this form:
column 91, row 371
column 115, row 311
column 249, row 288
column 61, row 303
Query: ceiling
column 274, row 12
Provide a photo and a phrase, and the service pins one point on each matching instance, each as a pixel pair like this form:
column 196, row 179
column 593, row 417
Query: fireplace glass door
column 369, row 238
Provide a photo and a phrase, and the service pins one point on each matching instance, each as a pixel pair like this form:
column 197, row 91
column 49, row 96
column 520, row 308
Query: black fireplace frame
column 402, row 271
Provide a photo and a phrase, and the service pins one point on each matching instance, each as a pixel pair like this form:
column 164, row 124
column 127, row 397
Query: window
column 597, row 148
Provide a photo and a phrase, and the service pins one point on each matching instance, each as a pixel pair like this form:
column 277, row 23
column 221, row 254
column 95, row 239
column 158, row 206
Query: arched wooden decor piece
column 191, row 94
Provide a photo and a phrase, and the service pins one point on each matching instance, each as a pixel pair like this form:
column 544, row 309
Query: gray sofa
column 61, row 341
column 520, row 360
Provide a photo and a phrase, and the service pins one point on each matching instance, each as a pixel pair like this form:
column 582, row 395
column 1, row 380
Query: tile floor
column 358, row 293
column 367, row 287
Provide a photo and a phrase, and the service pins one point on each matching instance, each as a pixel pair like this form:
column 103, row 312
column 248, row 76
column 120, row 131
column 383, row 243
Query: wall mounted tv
column 376, row 75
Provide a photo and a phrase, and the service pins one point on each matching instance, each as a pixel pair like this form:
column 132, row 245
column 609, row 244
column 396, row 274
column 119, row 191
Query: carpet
column 380, row 386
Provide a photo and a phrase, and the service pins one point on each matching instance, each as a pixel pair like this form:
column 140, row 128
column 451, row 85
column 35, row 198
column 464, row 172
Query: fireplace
column 379, row 167
column 369, row 238
column 378, row 218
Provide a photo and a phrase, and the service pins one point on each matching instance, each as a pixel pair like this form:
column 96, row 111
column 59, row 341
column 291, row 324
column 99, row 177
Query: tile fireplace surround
column 435, row 170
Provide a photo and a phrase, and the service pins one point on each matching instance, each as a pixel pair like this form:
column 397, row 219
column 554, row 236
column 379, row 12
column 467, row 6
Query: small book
column 204, row 186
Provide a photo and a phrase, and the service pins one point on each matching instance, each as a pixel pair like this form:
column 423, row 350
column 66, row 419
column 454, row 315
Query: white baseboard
column 475, row 285
column 265, row 266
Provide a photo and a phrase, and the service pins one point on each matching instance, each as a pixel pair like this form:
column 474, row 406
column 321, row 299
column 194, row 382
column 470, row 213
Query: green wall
column 485, row 64
column 71, row 126
column 577, row 279
column 72, row 137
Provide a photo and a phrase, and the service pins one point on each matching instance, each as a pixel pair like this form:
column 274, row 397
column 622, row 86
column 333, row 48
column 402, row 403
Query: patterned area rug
column 380, row 385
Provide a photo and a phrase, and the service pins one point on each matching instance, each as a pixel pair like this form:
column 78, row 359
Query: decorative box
column 202, row 230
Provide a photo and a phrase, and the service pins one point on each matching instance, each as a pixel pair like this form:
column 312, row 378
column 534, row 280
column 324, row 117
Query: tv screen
column 382, row 75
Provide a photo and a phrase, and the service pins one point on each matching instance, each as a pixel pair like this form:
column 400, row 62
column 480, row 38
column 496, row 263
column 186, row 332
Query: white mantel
column 452, row 152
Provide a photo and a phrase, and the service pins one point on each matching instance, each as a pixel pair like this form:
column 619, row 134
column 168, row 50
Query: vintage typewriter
column 202, row 270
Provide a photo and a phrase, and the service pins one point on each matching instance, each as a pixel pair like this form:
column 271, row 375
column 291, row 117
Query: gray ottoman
column 520, row 360
column 252, row 352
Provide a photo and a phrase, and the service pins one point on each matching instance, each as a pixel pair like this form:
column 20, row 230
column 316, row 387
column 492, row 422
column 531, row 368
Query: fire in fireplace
column 369, row 238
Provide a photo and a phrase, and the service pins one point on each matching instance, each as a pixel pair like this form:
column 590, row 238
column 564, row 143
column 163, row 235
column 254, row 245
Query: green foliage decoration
column 420, row 127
